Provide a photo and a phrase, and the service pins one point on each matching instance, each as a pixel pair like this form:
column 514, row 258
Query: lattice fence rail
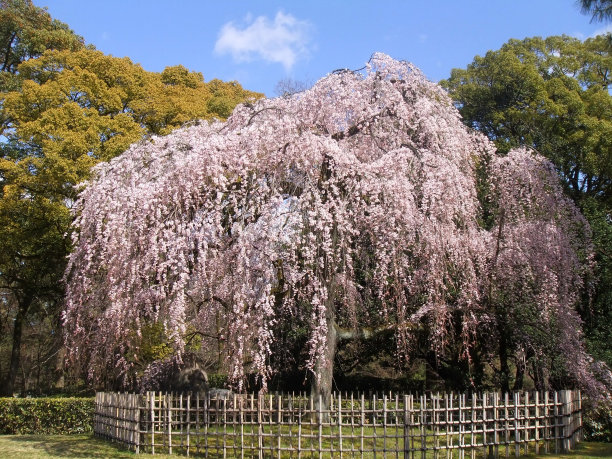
column 353, row 425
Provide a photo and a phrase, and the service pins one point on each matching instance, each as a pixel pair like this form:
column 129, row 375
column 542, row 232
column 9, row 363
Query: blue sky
column 261, row 42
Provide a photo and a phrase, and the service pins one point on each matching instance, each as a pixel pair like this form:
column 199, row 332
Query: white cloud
column 283, row 40
column 603, row 31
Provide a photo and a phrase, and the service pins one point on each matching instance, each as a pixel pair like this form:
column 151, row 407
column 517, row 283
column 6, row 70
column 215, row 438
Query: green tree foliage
column 550, row 94
column 553, row 95
column 601, row 10
column 65, row 110
column 27, row 31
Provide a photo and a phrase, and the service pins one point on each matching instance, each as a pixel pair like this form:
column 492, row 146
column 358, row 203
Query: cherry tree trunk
column 322, row 380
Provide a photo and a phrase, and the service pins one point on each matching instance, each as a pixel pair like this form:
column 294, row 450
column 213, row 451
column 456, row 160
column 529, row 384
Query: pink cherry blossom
column 354, row 199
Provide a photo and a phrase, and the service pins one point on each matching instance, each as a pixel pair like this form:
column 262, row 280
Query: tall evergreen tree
column 601, row 10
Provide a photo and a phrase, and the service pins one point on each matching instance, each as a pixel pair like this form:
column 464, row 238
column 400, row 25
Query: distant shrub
column 218, row 380
column 46, row 415
column 597, row 422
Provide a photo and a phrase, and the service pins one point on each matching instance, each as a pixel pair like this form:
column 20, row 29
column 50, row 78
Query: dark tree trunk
column 8, row 385
column 520, row 372
column 504, row 368
column 539, row 380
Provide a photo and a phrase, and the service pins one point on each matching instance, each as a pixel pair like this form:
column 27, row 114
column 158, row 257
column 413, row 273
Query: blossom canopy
column 359, row 200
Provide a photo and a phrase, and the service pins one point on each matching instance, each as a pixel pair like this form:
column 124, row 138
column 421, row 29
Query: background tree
column 27, row 31
column 72, row 109
column 553, row 95
column 350, row 206
column 601, row 10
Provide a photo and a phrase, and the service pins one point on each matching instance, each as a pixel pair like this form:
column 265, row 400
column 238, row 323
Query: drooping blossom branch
column 357, row 197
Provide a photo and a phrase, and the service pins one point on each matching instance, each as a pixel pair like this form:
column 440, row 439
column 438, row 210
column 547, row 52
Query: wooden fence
column 386, row 425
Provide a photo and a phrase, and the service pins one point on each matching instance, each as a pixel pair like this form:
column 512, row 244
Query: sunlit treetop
column 27, row 31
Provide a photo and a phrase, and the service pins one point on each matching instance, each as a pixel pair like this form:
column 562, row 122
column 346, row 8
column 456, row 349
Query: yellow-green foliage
column 65, row 110
column 27, row 31
column 154, row 343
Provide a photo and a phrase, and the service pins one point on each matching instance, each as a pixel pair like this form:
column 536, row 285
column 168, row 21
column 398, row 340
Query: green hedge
column 46, row 415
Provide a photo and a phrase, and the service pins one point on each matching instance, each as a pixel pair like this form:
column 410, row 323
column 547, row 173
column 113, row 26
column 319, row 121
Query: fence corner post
column 565, row 420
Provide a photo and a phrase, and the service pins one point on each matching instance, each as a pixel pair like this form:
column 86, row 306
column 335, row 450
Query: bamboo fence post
column 224, row 401
column 152, row 411
column 252, row 417
column 161, row 418
column 412, row 429
column 352, row 423
column 320, row 423
column 299, row 435
column 384, row 425
column 340, row 423
column 206, row 422
column 129, row 423
column 435, row 419
column 406, row 439
column 397, row 424
column 527, row 423
column 374, row 422
column 241, row 421
column 181, row 421
column 546, row 422
column 496, row 425
column 423, row 413
column 506, row 425
column 188, row 420
column 280, row 424
column 461, row 403
column 580, row 432
column 517, row 435
column 473, row 440
column 537, row 422
column 169, row 400
column 556, row 425
column 448, row 426
column 311, row 422
column 486, row 444
column 361, row 423
column 116, row 415
column 259, row 427
column 197, row 422
column 564, row 421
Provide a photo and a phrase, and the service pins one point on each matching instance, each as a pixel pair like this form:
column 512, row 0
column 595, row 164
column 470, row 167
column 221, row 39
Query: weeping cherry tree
column 357, row 202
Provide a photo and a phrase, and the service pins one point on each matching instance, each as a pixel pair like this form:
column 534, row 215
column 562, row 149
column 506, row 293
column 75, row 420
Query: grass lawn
column 66, row 446
column 86, row 446
column 585, row 451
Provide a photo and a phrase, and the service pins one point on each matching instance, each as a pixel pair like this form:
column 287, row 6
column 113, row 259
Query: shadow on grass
column 70, row 446
column 87, row 446
column 594, row 449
